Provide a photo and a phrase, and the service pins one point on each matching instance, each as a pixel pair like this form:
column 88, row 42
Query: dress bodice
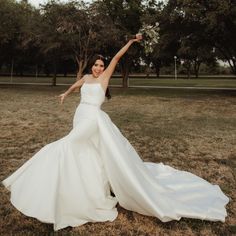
column 92, row 93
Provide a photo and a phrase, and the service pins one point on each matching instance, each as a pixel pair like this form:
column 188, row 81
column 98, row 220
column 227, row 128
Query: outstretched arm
column 111, row 67
column 74, row 86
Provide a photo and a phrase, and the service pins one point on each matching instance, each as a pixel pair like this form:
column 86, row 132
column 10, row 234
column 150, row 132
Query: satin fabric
column 69, row 181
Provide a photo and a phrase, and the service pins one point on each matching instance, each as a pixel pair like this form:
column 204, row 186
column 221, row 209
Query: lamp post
column 175, row 57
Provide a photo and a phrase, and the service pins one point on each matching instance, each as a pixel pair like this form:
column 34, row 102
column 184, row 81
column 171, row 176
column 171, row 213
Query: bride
column 70, row 182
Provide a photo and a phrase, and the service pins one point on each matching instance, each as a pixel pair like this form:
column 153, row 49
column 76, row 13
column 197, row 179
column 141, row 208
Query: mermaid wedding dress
column 69, row 181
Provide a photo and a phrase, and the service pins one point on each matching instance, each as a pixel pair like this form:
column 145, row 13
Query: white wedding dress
column 69, row 181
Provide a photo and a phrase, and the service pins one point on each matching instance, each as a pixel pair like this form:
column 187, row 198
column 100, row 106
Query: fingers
column 61, row 97
column 139, row 37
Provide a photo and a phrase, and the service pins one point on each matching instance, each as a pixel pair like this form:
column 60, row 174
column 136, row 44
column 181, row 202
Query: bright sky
column 37, row 2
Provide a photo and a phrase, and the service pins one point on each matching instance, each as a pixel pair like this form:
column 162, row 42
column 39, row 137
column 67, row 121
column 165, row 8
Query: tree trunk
column 232, row 64
column 80, row 70
column 187, row 65
column 46, row 70
column 157, row 69
column 147, row 74
column 157, row 66
column 125, row 66
column 196, row 68
column 229, row 58
column 54, row 79
column 125, row 77
column 188, row 72
column 21, row 71
column 148, row 68
column 12, row 68
column 81, row 66
column 36, row 71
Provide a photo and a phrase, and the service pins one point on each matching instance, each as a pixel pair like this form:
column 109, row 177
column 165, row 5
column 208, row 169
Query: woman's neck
column 93, row 77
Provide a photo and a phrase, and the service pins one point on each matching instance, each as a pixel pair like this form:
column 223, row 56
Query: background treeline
column 60, row 38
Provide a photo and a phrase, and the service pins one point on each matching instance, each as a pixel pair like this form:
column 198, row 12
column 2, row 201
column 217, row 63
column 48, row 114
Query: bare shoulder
column 85, row 77
column 81, row 81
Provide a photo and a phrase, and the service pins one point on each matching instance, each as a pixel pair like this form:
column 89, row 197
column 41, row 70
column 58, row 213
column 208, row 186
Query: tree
column 27, row 44
column 9, row 31
column 76, row 27
column 193, row 51
column 220, row 24
column 74, row 30
column 217, row 22
column 169, row 20
column 52, row 43
column 126, row 17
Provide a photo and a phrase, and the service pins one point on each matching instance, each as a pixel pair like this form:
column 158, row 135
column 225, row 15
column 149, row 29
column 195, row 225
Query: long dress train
column 69, row 181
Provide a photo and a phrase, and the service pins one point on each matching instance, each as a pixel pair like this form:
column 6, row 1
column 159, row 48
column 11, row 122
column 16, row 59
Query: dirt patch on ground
column 192, row 133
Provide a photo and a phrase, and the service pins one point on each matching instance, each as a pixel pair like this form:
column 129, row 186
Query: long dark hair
column 92, row 62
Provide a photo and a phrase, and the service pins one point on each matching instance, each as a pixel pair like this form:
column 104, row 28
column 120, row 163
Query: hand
column 62, row 97
column 137, row 38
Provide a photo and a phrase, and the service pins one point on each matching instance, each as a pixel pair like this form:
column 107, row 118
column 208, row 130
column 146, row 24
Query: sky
column 37, row 2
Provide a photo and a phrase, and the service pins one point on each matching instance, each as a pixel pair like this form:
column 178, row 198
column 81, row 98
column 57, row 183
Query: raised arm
column 74, row 86
column 106, row 75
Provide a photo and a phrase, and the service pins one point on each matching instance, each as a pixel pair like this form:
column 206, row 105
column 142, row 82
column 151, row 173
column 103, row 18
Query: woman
column 69, row 182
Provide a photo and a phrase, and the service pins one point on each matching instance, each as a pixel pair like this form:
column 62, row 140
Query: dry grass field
column 192, row 132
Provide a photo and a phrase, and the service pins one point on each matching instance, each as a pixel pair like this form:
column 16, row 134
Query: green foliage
column 212, row 24
column 58, row 33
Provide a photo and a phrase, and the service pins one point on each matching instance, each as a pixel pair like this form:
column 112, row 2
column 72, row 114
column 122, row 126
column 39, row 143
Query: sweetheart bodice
column 92, row 93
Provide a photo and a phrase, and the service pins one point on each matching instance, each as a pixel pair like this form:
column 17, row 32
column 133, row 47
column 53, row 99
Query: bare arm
column 74, row 86
column 106, row 75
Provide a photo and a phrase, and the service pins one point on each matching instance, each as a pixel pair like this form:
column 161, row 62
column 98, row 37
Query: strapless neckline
column 95, row 84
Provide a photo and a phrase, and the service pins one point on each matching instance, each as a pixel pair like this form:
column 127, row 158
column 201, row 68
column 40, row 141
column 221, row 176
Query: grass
column 189, row 131
column 211, row 82
column 215, row 83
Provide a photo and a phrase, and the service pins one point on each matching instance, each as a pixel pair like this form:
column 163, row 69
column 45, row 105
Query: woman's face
column 97, row 68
